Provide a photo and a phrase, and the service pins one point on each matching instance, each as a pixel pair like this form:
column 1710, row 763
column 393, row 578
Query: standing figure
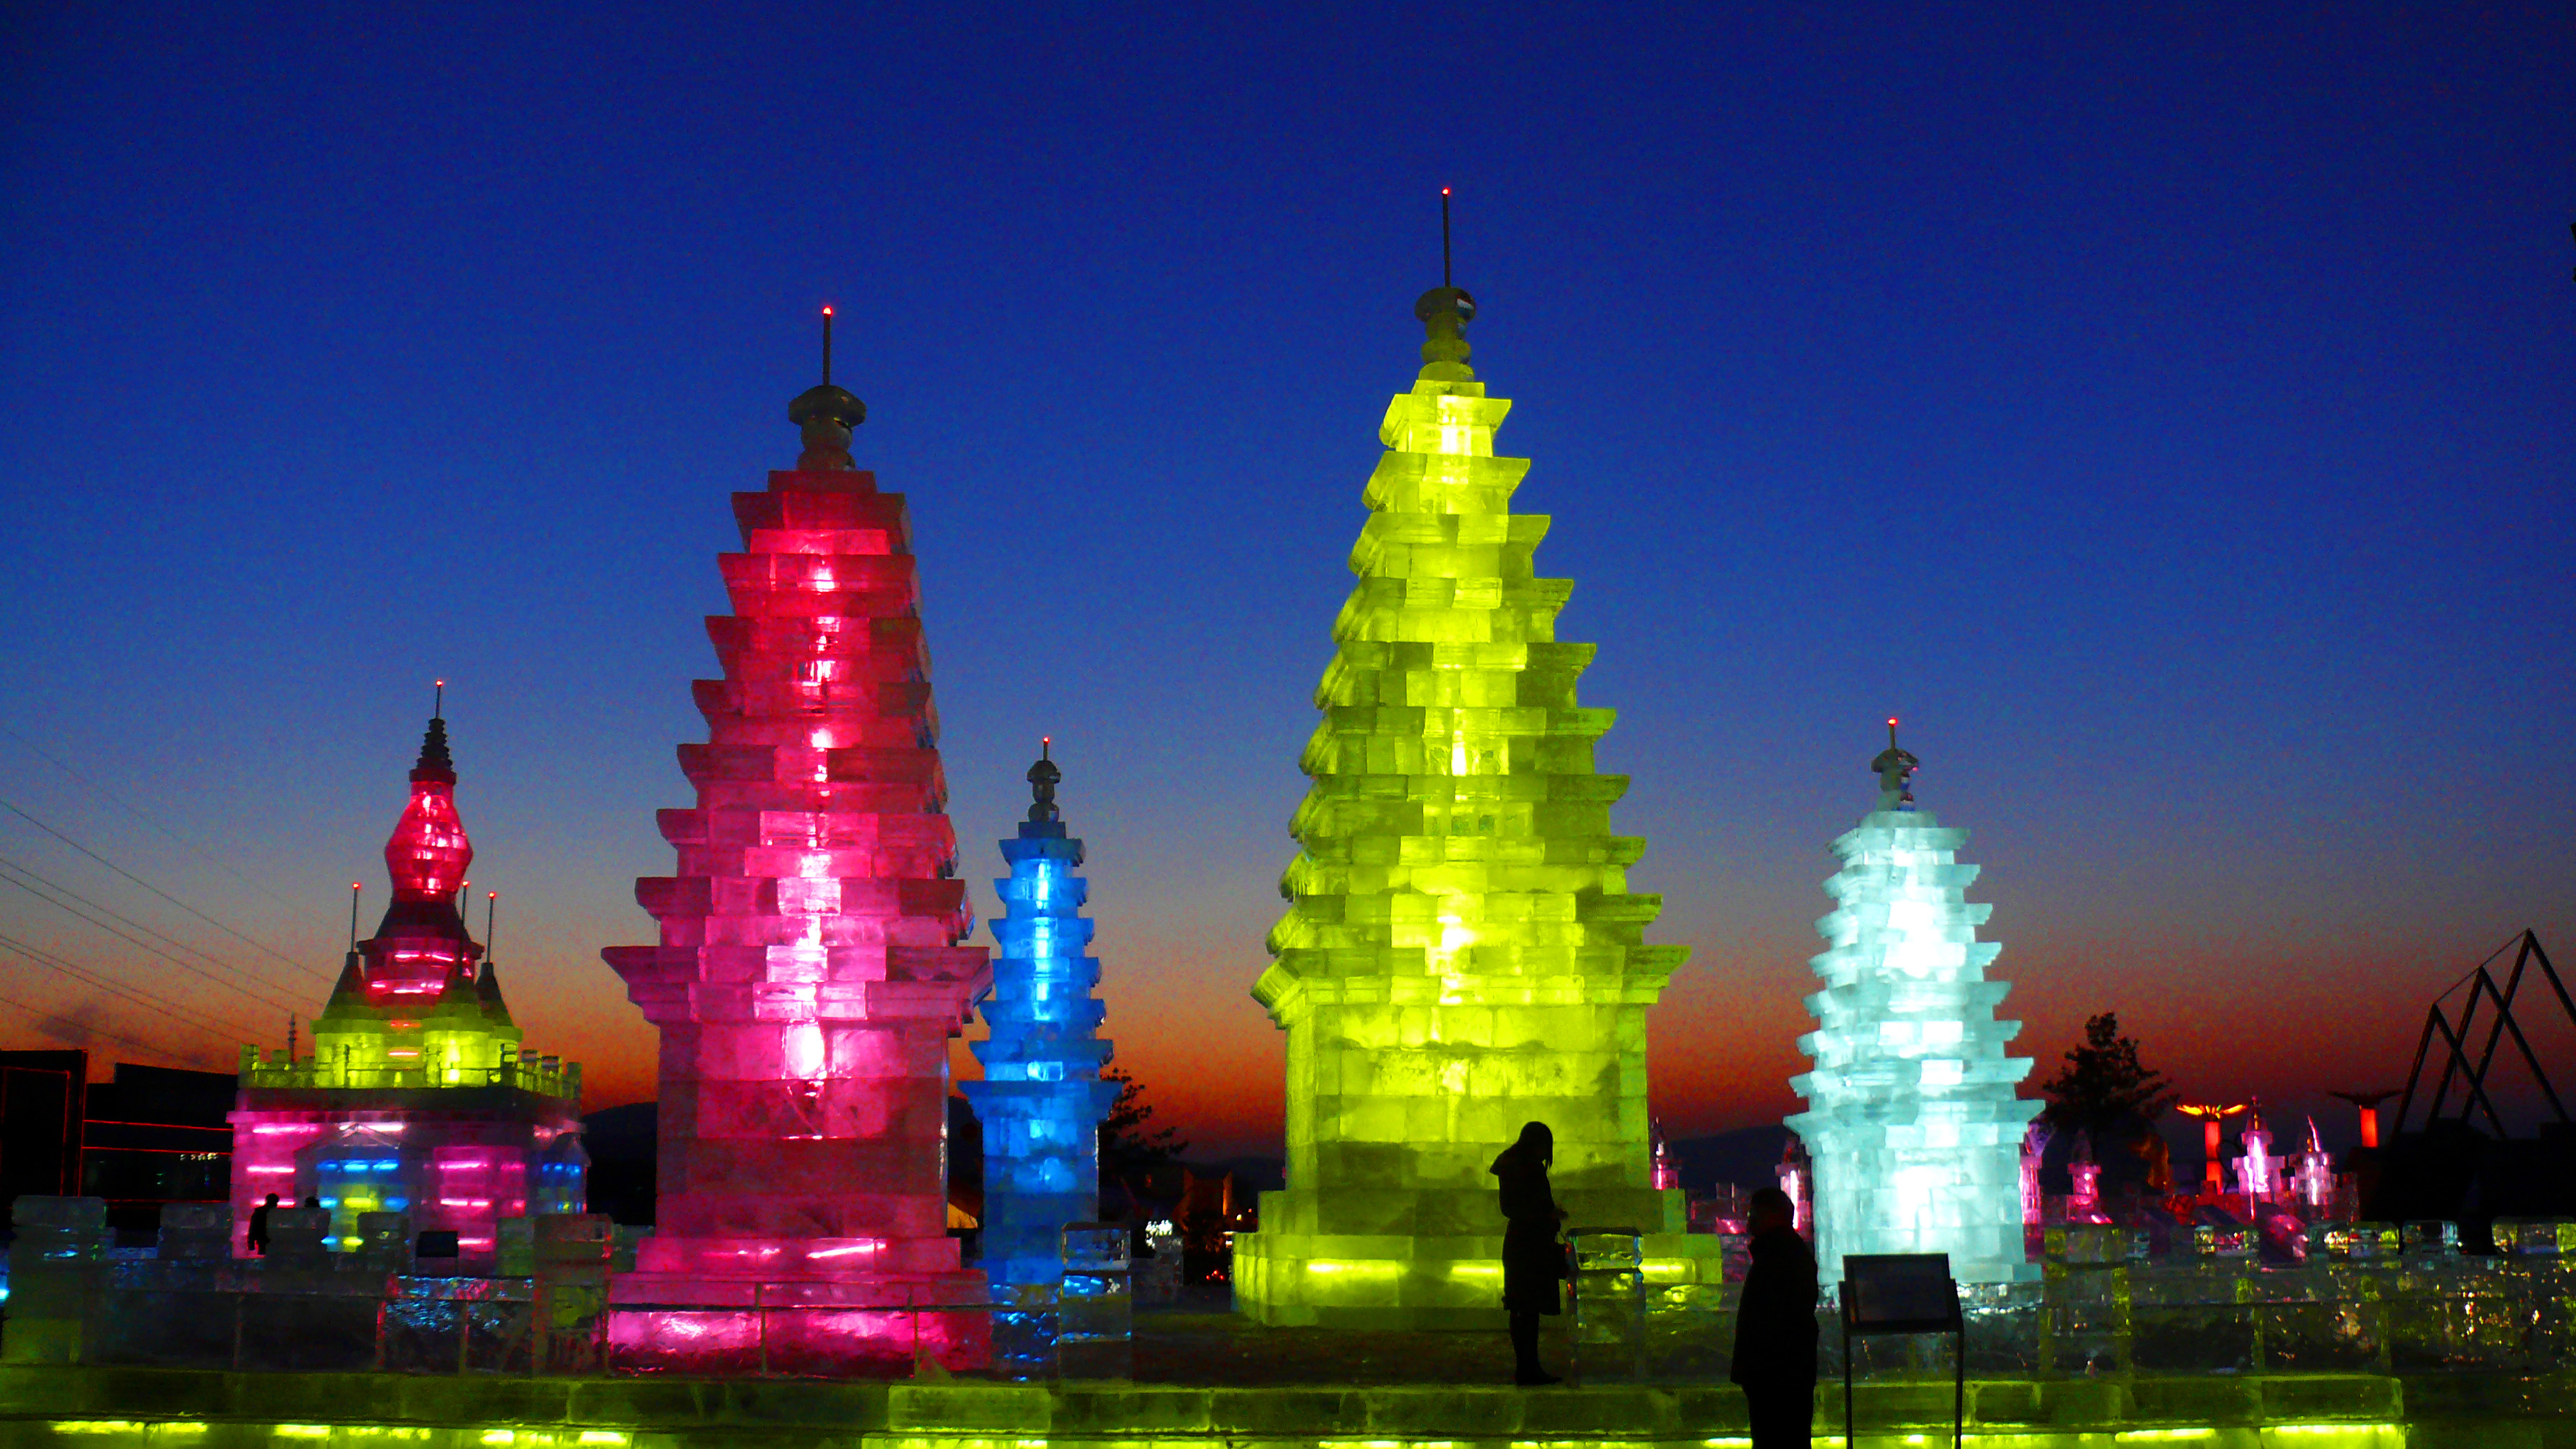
column 1775, row 1327
column 259, row 1227
column 1533, row 1259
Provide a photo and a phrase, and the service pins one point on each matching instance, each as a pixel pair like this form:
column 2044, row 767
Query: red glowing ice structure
column 418, row 1098
column 808, row 976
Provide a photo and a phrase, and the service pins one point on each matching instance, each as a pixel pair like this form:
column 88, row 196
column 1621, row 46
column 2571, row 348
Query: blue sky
column 2167, row 412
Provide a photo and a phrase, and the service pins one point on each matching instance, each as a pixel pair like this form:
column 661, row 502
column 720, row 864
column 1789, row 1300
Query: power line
column 147, row 999
column 10, row 870
column 7, row 876
column 41, row 1013
column 165, row 895
column 120, row 803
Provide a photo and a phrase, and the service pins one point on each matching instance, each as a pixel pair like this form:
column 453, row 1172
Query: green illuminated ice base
column 1286, row 1279
column 85, row 1408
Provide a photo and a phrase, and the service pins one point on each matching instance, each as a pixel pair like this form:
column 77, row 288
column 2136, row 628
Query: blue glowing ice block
column 1041, row 1100
column 1911, row 1115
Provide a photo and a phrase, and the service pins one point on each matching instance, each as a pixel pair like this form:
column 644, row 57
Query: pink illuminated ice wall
column 808, row 976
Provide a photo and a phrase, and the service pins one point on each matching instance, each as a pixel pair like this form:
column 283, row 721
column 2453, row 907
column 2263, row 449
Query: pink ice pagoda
column 418, row 1098
column 809, row 973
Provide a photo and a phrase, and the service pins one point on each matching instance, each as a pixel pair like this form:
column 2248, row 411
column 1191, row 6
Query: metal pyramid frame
column 2457, row 1063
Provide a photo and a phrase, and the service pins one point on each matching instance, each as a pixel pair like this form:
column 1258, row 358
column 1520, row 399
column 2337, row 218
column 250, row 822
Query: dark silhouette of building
column 42, row 1103
column 148, row 1136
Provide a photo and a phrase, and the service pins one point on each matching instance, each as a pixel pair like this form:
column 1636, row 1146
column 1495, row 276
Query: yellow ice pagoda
column 1461, row 952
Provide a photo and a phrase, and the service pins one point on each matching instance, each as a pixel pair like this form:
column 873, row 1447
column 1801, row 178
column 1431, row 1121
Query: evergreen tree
column 2103, row 1086
column 1127, row 1140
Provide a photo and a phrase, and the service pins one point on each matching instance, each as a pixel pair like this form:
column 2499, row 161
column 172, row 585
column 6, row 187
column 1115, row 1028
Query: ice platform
column 84, row 1407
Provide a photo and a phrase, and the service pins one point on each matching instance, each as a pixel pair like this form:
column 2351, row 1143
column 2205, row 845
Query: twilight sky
column 2169, row 411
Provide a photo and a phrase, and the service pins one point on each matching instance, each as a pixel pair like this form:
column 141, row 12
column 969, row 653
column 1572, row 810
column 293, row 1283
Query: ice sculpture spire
column 1041, row 1100
column 1461, row 953
column 809, row 971
column 1911, row 1118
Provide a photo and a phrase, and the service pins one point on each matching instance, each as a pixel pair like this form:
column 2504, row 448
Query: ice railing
column 2365, row 1299
column 2373, row 1300
column 556, row 1305
column 544, row 1076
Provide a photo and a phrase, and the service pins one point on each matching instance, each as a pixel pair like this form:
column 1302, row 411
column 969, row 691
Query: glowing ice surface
column 1041, row 1099
column 1911, row 1118
column 1461, row 954
column 418, row 1097
column 808, row 974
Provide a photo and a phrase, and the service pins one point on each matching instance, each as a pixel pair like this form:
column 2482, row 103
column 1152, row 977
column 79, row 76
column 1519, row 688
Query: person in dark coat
column 1533, row 1260
column 259, row 1226
column 1775, row 1327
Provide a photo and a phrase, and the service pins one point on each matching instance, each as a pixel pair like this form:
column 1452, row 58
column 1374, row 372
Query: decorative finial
column 1042, row 782
column 826, row 414
column 1895, row 768
column 1445, row 312
column 435, row 763
column 437, row 698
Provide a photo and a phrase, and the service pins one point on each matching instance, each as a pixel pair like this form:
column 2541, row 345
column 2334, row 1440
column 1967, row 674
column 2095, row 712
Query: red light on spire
column 827, row 311
column 1444, row 191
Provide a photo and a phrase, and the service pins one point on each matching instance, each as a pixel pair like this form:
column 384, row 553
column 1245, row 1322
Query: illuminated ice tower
column 418, row 1097
column 1911, row 1117
column 1461, row 953
column 1041, row 1099
column 808, row 975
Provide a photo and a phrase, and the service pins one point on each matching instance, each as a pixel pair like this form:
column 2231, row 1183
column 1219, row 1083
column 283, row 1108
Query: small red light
column 827, row 311
column 1444, row 191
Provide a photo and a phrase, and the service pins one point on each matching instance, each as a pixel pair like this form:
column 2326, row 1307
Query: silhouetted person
column 313, row 1202
column 1533, row 1261
column 1775, row 1327
column 259, row 1226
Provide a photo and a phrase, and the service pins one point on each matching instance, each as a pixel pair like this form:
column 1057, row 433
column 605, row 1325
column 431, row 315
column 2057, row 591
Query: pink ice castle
column 809, row 973
column 417, row 1098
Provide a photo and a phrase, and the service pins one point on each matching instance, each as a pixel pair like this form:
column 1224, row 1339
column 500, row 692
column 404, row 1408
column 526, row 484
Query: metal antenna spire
column 353, row 915
column 1444, row 237
column 827, row 347
column 437, row 698
column 491, row 909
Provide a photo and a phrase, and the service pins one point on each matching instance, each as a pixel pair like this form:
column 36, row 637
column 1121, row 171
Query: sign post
column 1893, row 1293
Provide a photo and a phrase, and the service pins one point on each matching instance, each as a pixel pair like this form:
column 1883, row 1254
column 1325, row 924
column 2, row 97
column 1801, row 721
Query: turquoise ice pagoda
column 1911, row 1118
column 1041, row 1100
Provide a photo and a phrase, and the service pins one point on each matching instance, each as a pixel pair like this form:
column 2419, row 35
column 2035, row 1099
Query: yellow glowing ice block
column 1461, row 954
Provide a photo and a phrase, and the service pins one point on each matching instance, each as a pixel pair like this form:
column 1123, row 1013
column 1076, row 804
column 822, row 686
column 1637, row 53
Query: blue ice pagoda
column 1041, row 1100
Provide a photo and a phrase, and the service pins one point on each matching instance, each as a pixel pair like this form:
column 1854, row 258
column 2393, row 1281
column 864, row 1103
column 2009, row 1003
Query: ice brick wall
column 1911, row 1117
column 418, row 1097
column 1461, row 952
column 1041, row 1100
column 808, row 973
